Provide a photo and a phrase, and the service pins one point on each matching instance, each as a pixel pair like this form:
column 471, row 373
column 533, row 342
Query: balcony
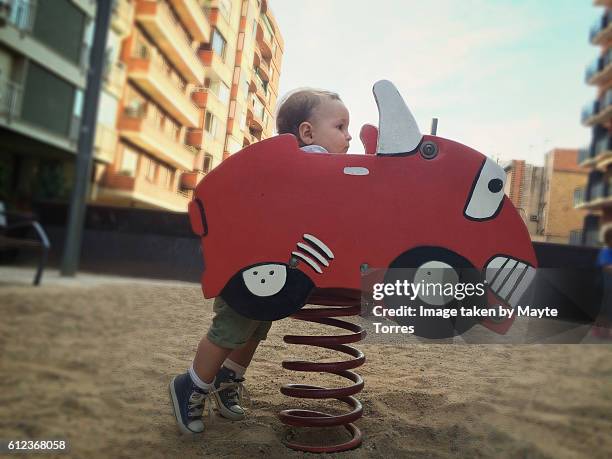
column 585, row 157
column 123, row 15
column 599, row 111
column 598, row 193
column 105, row 144
column 189, row 180
column 114, row 75
column 602, row 2
column 601, row 150
column 159, row 22
column 124, row 190
column 261, row 66
column 140, row 130
column 589, row 112
column 202, row 139
column 255, row 115
column 601, row 31
column 11, row 95
column 215, row 67
column 149, row 74
column 258, row 87
column 264, row 40
column 21, row 14
column 193, row 17
column 206, row 98
column 599, row 72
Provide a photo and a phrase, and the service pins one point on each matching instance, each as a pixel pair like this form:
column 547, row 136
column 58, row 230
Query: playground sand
column 92, row 365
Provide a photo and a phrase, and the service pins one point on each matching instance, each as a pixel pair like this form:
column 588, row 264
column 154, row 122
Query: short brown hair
column 297, row 107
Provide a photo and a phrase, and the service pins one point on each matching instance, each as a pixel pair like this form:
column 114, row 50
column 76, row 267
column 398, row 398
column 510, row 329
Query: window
column 578, row 196
column 268, row 31
column 208, row 160
column 107, row 109
column 243, row 118
column 225, row 8
column 220, row 90
column 224, row 93
column 218, row 44
column 233, row 145
column 48, row 101
column 244, row 84
column 150, row 170
column 165, row 177
column 128, row 162
column 210, row 124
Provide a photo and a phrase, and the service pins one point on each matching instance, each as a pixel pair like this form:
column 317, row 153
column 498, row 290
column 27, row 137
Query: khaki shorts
column 232, row 330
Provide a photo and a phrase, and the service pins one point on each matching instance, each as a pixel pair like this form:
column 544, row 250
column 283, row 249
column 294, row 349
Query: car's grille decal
column 320, row 258
column 312, row 239
column 316, row 253
column 509, row 278
column 308, row 260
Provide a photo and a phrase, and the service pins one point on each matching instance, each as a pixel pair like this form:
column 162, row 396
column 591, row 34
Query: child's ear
column 305, row 132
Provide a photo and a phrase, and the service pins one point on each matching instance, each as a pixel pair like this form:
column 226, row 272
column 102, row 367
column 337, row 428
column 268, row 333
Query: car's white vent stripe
column 524, row 283
column 512, row 280
column 308, row 260
column 314, row 253
column 320, row 245
column 503, row 275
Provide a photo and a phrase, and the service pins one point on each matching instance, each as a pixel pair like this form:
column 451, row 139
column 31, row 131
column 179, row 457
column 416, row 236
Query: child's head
column 315, row 117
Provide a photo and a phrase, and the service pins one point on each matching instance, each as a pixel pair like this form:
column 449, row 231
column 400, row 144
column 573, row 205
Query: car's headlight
column 487, row 195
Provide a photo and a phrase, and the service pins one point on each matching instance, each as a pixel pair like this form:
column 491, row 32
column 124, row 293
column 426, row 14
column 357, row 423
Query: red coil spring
column 308, row 418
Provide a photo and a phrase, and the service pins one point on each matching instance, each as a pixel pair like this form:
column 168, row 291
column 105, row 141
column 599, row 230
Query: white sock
column 197, row 381
column 238, row 369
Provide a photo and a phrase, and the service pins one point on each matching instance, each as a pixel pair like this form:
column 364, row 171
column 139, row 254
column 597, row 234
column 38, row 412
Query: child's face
column 328, row 127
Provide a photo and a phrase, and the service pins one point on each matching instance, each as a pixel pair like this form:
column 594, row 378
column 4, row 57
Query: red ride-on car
column 281, row 227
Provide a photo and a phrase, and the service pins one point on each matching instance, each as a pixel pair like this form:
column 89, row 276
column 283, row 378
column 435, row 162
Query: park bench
column 10, row 221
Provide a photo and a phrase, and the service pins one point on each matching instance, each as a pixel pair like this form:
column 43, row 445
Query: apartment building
column 546, row 196
column 564, row 181
column 525, row 188
column 44, row 53
column 189, row 82
column 597, row 114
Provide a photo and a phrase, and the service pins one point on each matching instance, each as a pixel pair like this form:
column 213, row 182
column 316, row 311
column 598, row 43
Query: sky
column 505, row 77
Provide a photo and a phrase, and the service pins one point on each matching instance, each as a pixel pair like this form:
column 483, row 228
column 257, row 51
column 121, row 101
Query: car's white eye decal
column 487, row 195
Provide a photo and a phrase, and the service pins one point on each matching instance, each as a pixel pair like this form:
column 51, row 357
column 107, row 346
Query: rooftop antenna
column 434, row 126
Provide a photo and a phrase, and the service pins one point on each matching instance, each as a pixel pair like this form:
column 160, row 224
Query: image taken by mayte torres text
column 423, row 304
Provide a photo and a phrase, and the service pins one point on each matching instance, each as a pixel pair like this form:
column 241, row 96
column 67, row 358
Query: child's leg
column 208, row 359
column 243, row 355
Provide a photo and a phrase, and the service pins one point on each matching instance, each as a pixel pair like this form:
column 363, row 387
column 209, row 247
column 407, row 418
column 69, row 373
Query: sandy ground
column 90, row 363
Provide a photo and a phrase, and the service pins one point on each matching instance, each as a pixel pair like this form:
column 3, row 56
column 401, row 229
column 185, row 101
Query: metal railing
column 22, row 13
column 584, row 154
column 140, row 113
column 590, row 110
column 594, row 67
column 600, row 24
column 10, row 99
column 602, row 144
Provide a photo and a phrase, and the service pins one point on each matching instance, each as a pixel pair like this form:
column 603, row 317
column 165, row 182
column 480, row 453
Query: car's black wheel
column 434, row 266
column 267, row 291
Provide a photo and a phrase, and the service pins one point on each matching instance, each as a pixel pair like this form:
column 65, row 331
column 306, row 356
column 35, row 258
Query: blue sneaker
column 188, row 401
column 228, row 394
